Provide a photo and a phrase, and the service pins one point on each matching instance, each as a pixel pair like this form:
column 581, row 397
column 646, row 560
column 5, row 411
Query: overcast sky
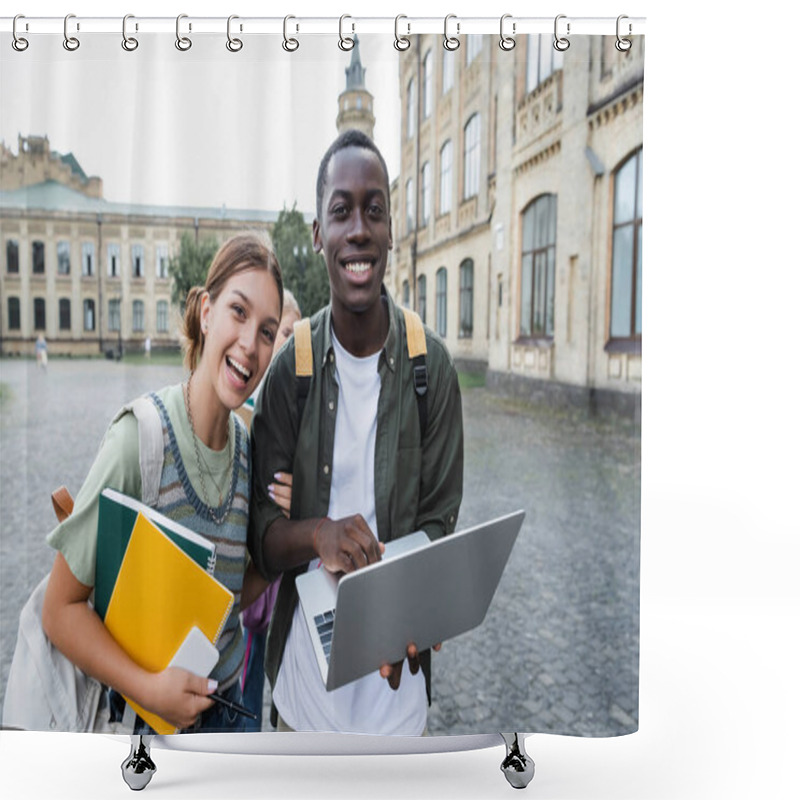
column 204, row 127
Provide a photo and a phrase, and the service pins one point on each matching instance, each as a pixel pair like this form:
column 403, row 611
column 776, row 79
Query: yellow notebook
column 160, row 594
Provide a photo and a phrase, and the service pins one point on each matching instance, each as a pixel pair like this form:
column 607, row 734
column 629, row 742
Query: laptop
column 421, row 591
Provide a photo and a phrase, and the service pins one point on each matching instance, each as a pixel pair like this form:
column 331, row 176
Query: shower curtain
column 515, row 178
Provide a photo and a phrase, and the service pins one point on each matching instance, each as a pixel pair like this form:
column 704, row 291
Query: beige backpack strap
column 415, row 334
column 303, row 357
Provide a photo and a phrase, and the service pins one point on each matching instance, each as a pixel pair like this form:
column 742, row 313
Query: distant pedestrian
column 41, row 351
column 147, row 347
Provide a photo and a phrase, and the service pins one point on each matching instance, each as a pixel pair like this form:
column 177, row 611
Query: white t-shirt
column 368, row 705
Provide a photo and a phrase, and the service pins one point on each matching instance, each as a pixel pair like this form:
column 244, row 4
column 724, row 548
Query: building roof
column 72, row 162
column 55, row 197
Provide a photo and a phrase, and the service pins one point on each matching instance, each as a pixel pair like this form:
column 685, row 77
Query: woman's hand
column 281, row 491
column 179, row 697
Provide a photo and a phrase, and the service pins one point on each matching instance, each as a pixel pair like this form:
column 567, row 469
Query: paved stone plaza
column 558, row 651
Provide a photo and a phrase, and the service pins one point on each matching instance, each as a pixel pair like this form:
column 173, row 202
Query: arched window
column 427, row 85
column 14, row 322
column 138, row 316
column 64, row 314
column 538, row 267
column 626, row 260
column 474, row 46
column 466, row 276
column 406, row 294
column 409, row 205
column 446, row 178
column 88, row 315
column 542, row 60
column 448, row 70
column 441, row 302
column 411, row 109
column 162, row 316
column 426, row 192
column 472, row 155
column 422, row 291
column 39, row 321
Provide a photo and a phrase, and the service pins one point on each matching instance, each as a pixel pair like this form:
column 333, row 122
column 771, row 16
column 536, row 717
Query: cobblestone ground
column 559, row 649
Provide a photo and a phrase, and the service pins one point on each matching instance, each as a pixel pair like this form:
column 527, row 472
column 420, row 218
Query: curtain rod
column 346, row 25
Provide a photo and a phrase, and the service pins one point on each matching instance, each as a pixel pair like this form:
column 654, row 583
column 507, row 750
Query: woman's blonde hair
column 240, row 253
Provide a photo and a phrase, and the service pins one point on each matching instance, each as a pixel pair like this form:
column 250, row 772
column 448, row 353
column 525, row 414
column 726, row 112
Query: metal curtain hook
column 289, row 44
column 183, row 43
column 70, row 42
column 507, row 42
column 623, row 45
column 561, row 43
column 129, row 43
column 451, row 42
column 19, row 43
column 401, row 43
column 345, row 42
column 234, row 45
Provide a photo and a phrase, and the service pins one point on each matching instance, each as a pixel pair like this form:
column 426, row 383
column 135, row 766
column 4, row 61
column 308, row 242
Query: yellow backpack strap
column 415, row 334
column 417, row 350
column 303, row 362
column 303, row 358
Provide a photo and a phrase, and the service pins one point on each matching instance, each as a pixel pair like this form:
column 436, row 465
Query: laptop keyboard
column 324, row 623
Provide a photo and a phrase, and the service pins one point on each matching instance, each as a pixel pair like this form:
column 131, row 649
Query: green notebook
column 115, row 520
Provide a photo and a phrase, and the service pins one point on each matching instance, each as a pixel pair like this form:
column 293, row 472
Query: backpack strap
column 303, row 362
column 417, row 350
column 151, row 445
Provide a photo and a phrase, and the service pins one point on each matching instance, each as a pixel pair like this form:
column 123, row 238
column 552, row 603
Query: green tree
column 190, row 267
column 304, row 271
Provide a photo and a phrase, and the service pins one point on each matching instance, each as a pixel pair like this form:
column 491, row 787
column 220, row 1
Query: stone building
column 89, row 274
column 517, row 214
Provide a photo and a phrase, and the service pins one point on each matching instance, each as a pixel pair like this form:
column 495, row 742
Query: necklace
column 201, row 463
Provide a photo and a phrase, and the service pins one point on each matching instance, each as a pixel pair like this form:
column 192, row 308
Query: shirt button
column 330, row 358
column 326, row 469
column 331, row 405
column 391, row 361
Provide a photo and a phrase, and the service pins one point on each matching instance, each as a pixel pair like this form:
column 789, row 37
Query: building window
column 39, row 323
column 538, row 267
column 448, row 70
column 38, row 258
column 114, row 265
column 426, row 192
column 87, row 259
column 472, row 155
column 422, row 292
column 406, row 294
column 13, row 314
column 446, row 178
column 474, row 46
column 441, row 302
column 542, row 60
column 411, row 109
column 162, row 261
column 64, row 314
column 137, row 260
column 12, row 256
column 62, row 253
column 465, row 299
column 138, row 316
column 113, row 315
column 427, row 85
column 162, row 316
column 88, row 315
column 409, row 205
column 626, row 269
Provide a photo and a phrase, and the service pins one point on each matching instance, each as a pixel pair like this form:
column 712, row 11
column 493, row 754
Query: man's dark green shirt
column 418, row 483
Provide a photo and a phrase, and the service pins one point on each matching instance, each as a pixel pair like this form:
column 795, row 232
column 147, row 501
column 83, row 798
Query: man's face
column 355, row 231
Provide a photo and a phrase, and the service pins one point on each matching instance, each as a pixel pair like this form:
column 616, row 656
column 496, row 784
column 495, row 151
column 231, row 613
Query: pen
column 234, row 706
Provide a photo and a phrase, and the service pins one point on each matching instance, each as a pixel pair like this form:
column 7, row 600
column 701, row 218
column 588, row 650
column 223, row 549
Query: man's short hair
column 349, row 138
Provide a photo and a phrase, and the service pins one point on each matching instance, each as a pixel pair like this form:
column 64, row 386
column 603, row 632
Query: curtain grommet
column 19, row 43
column 129, row 43
column 451, row 42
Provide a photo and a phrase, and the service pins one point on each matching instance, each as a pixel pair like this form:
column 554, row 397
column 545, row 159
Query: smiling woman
column 230, row 326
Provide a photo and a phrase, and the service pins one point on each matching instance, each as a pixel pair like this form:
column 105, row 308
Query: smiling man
column 368, row 465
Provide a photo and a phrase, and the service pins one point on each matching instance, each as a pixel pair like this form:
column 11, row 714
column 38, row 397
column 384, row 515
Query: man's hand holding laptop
column 345, row 545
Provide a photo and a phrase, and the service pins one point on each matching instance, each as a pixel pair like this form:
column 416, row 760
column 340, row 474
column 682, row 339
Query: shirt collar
column 390, row 346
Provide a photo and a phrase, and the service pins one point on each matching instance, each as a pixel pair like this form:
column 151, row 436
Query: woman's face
column 240, row 328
